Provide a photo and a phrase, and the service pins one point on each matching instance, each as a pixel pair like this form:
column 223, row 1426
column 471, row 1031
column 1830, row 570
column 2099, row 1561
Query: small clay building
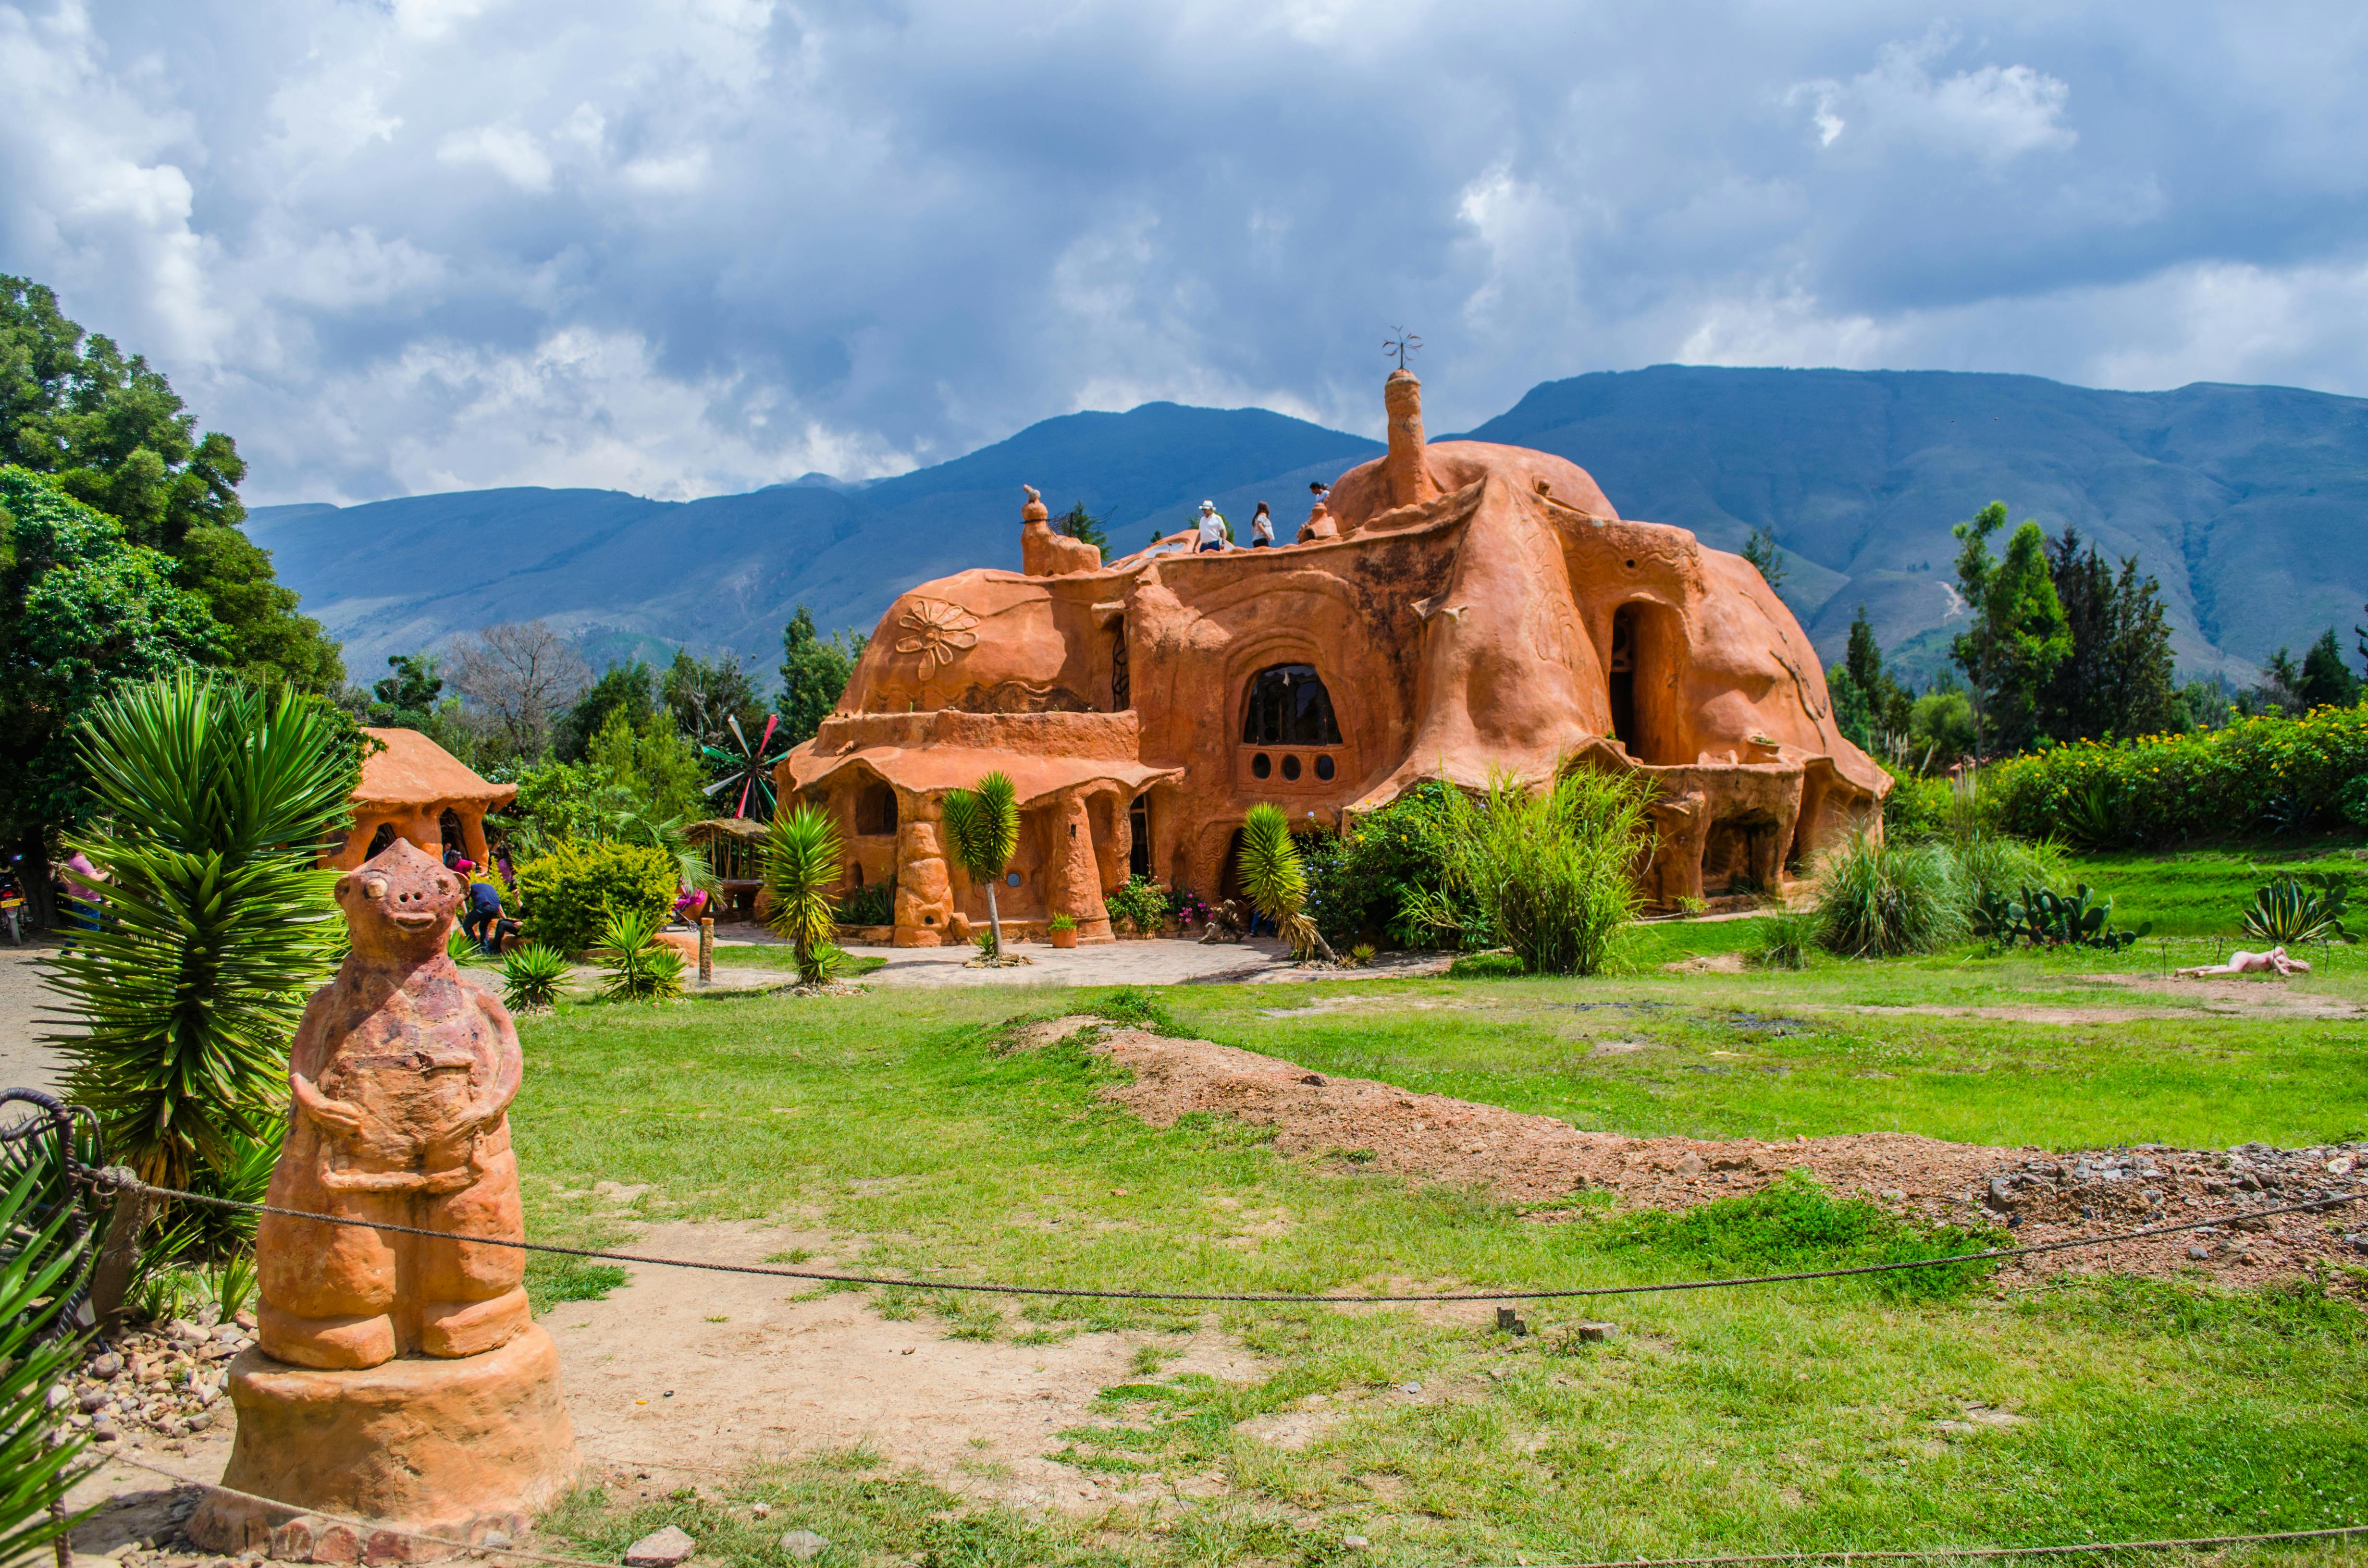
column 1451, row 610
column 415, row 789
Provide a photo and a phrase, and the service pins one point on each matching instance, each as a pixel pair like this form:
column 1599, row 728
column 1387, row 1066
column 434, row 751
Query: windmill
column 748, row 769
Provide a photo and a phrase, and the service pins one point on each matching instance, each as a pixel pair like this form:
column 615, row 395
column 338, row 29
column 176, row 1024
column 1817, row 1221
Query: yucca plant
column 801, row 852
column 531, row 975
column 640, row 967
column 1879, row 900
column 1276, row 882
column 982, row 834
column 40, row 1267
column 179, row 1010
column 2305, row 907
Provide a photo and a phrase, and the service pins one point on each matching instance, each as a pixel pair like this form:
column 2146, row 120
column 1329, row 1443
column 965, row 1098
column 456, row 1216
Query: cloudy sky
column 685, row 247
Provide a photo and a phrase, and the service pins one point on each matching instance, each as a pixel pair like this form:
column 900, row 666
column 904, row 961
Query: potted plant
column 1062, row 931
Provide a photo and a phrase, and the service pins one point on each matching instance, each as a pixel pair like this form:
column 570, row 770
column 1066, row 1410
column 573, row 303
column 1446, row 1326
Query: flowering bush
column 2257, row 773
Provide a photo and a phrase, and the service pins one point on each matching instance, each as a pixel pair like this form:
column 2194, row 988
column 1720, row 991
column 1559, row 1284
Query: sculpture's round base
column 455, row 1448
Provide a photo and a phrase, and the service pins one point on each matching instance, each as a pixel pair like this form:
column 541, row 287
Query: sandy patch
column 1708, row 963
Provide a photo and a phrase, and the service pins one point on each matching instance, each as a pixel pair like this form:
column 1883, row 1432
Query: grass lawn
column 1795, row 1416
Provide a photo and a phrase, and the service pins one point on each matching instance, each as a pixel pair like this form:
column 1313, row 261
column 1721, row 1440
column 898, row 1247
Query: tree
column 82, row 610
column 2018, row 636
column 522, row 674
column 2118, row 678
column 815, row 673
column 621, row 688
column 1079, row 524
column 112, row 433
column 981, row 832
column 1868, row 699
column 2324, row 681
column 703, row 695
column 2278, row 691
column 801, row 853
column 411, row 692
column 217, row 927
column 1761, row 550
column 655, row 763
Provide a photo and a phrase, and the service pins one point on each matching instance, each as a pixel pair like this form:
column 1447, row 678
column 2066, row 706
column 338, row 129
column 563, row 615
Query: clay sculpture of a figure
column 402, row 1072
column 398, row 1378
column 2274, row 961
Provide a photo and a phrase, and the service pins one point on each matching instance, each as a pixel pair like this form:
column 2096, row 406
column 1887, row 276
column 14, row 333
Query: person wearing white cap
column 1215, row 532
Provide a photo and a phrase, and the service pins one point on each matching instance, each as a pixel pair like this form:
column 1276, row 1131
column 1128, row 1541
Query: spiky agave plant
column 640, row 967
column 1276, row 882
column 39, row 1266
column 531, row 975
column 801, row 852
column 983, row 832
column 216, row 926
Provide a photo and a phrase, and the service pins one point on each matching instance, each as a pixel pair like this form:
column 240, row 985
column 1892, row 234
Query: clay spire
column 1404, row 472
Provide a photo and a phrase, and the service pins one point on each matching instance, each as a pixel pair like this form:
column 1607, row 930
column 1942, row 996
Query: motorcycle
column 11, row 905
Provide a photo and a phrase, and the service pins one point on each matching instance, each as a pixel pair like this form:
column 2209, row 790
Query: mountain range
column 2248, row 503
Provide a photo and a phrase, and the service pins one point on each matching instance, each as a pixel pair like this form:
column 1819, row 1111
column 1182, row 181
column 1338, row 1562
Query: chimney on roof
column 1406, row 476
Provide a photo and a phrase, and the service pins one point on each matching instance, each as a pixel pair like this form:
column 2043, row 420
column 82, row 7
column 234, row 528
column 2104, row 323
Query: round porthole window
column 1290, row 767
column 1012, row 880
column 1324, row 768
column 1261, row 765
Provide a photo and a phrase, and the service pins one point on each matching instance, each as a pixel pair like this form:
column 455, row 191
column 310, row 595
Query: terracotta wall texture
column 1474, row 608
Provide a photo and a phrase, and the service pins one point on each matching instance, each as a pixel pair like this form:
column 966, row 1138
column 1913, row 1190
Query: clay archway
column 1642, row 670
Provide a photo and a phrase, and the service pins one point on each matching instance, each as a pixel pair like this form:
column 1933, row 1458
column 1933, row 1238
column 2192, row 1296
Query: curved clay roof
column 929, row 770
column 414, row 771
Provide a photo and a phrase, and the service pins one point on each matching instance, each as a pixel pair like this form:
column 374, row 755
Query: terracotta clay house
column 414, row 789
column 1451, row 609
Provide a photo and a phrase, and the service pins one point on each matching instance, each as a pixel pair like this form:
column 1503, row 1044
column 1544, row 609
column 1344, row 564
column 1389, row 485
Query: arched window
column 1288, row 706
column 876, row 812
column 382, row 839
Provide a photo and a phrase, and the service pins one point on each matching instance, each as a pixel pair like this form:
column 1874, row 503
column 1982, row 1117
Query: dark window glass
column 1288, row 706
column 1261, row 765
column 1324, row 768
column 1290, row 767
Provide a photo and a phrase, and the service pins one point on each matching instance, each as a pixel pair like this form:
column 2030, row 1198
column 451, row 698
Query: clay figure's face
column 400, row 903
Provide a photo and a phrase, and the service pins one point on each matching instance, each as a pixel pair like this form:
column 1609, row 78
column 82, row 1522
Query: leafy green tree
column 1941, row 726
column 1761, row 550
column 982, row 833
column 2019, row 635
column 2278, row 691
column 2117, row 680
column 82, row 610
column 112, row 433
column 2207, row 703
column 622, row 689
column 652, row 763
column 2324, row 682
column 217, row 926
column 1080, row 524
column 815, row 673
column 404, row 699
column 1868, row 699
column 703, row 694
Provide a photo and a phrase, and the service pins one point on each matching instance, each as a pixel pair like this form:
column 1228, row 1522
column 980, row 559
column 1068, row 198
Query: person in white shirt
column 1215, row 532
column 1261, row 527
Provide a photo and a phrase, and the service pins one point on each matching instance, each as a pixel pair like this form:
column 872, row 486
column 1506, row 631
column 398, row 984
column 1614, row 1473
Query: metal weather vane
column 1402, row 345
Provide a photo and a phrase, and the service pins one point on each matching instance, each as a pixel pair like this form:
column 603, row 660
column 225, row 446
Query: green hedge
column 565, row 896
column 2256, row 774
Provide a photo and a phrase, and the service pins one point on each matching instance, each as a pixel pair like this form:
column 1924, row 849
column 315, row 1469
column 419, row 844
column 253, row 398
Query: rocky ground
column 162, row 1382
column 1543, row 1161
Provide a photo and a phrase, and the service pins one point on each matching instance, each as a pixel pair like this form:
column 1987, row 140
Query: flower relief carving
column 936, row 630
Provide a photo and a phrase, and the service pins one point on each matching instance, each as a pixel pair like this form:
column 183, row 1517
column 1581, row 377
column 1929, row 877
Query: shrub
column 567, row 896
column 1998, row 866
column 2306, row 908
column 1879, row 900
column 1387, row 874
column 1142, row 903
column 1549, row 870
column 531, row 975
column 640, row 967
column 1061, row 923
column 1917, row 808
column 2047, row 919
column 1782, row 941
column 874, row 903
column 2262, row 772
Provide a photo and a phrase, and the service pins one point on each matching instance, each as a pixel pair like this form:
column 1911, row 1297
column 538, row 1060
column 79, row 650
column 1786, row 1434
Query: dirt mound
column 1528, row 1159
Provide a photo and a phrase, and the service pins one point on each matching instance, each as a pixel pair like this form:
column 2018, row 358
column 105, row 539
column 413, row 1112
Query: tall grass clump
column 1880, row 900
column 1551, row 870
column 1782, row 941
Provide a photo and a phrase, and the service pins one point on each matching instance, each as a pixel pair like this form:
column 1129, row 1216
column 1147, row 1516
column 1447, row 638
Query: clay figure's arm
column 304, row 1059
column 508, row 1061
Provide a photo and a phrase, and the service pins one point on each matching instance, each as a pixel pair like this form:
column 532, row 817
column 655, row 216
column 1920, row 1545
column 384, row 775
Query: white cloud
column 509, row 152
column 1992, row 113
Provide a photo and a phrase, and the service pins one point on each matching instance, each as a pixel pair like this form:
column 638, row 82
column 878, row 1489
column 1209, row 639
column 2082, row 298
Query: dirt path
column 1524, row 1158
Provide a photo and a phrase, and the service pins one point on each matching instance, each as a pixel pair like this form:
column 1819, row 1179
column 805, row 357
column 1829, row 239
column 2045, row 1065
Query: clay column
column 1403, row 470
column 1076, row 890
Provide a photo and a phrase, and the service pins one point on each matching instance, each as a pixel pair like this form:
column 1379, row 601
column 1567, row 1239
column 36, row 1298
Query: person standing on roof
column 1261, row 527
column 1215, row 532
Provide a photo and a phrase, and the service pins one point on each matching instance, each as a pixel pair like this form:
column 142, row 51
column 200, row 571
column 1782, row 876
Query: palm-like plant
column 640, row 967
column 216, row 924
column 983, row 832
column 801, row 853
column 1276, row 882
column 38, row 1347
column 531, row 976
column 672, row 835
